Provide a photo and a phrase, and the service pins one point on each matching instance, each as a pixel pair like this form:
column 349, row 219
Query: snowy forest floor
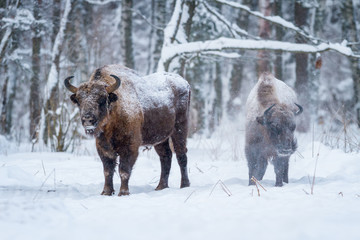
column 46, row 195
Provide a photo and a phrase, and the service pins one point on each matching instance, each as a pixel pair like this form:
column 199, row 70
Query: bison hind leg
column 165, row 154
column 179, row 141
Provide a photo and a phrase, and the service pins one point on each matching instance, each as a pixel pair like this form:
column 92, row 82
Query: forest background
column 219, row 46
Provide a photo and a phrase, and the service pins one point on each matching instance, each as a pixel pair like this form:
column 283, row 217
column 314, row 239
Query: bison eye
column 275, row 128
column 102, row 101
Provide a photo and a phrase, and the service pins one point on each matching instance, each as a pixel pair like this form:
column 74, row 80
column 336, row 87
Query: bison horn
column 268, row 110
column 115, row 86
column 70, row 87
column 300, row 109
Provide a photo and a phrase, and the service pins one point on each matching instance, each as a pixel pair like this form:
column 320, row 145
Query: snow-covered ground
column 47, row 195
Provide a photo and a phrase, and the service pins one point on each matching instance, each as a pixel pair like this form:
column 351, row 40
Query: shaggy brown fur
column 121, row 123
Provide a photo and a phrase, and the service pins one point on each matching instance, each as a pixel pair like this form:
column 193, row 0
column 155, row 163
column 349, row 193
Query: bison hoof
column 124, row 193
column 278, row 184
column 185, row 184
column 108, row 192
column 161, row 187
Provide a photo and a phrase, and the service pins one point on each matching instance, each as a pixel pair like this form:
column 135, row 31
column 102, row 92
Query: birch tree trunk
column 35, row 105
column 52, row 85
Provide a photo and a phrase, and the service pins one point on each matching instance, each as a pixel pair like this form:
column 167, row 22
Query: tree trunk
column 35, row 105
column 52, row 86
column 160, row 21
column 151, row 39
column 191, row 12
column 126, row 33
column 301, row 59
column 264, row 32
column 316, row 28
column 350, row 33
column 236, row 79
column 279, row 34
column 3, row 122
column 216, row 114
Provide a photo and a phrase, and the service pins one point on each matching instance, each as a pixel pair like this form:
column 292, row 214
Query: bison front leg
column 108, row 158
column 127, row 160
column 281, row 167
column 109, row 168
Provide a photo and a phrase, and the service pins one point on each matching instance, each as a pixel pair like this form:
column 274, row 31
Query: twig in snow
column 257, row 182
column 223, row 187
column 53, row 171
column 84, row 206
column 198, row 168
column 42, row 163
column 189, row 196
column 341, row 194
column 154, row 180
column 306, row 192
column 313, row 180
column 299, row 154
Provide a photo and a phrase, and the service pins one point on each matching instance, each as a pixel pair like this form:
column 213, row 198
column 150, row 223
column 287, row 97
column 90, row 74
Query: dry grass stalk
column 42, row 185
column 313, row 180
column 257, row 182
column 223, row 187
column 189, row 196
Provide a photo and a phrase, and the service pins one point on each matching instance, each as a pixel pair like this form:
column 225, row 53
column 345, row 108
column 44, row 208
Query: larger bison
column 270, row 125
column 125, row 111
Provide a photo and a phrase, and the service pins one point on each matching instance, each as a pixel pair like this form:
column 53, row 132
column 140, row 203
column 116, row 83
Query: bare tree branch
column 273, row 19
column 233, row 28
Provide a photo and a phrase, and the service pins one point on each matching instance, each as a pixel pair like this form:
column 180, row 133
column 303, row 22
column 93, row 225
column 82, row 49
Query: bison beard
column 122, row 111
column 270, row 126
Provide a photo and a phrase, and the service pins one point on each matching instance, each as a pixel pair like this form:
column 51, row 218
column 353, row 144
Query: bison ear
column 112, row 97
column 261, row 120
column 73, row 98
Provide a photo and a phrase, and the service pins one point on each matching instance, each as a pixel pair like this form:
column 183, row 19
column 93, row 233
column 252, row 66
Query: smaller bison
column 125, row 111
column 270, row 125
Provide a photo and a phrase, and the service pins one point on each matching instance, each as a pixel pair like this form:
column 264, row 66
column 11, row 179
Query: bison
column 124, row 111
column 270, row 125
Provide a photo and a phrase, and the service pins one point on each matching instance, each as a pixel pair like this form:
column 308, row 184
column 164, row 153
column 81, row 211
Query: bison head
column 94, row 100
column 279, row 123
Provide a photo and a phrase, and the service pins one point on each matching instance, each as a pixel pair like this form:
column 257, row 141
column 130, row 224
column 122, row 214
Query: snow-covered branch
column 101, row 2
column 173, row 26
column 169, row 52
column 233, row 29
column 273, row 19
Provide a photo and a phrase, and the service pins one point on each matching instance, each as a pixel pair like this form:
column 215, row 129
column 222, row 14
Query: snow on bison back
column 270, row 124
column 125, row 111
